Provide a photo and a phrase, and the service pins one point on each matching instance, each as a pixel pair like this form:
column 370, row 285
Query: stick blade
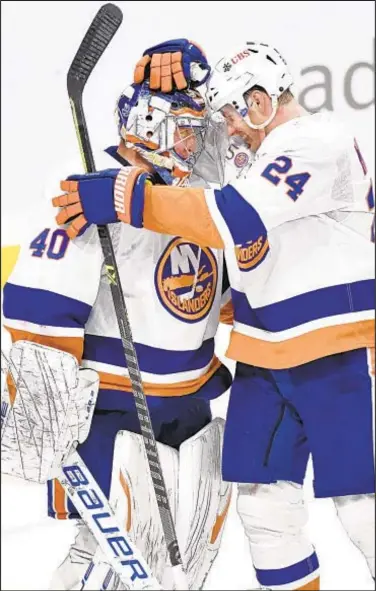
column 104, row 26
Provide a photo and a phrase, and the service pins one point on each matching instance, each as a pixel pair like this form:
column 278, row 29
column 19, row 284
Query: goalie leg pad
column 204, row 501
column 133, row 499
column 72, row 570
column 198, row 498
column 273, row 517
column 173, row 422
column 357, row 515
column 97, row 452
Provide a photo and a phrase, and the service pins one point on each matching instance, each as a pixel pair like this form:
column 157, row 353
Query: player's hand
column 101, row 198
column 177, row 63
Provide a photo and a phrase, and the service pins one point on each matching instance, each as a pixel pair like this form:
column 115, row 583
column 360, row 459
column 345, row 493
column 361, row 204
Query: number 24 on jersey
column 277, row 170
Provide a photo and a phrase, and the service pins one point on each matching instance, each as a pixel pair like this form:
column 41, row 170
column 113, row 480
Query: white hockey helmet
column 252, row 64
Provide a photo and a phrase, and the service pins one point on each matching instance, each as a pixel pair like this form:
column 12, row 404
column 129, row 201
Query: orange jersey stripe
column 72, row 345
column 302, row 349
column 180, row 211
column 114, row 382
column 312, row 586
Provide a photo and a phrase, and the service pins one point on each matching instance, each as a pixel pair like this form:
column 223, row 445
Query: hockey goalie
column 68, row 386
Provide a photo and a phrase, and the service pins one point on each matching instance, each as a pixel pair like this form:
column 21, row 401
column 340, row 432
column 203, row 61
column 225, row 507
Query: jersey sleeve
column 181, row 211
column 52, row 288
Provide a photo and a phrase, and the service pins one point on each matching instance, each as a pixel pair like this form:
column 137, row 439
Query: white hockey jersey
column 58, row 294
column 298, row 239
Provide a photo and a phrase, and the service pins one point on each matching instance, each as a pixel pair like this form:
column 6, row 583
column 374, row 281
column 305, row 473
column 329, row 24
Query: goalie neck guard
column 166, row 129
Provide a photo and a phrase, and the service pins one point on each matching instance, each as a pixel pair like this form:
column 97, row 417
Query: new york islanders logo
column 186, row 280
column 251, row 254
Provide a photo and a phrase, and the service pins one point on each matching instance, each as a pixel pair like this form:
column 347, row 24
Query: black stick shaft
column 98, row 36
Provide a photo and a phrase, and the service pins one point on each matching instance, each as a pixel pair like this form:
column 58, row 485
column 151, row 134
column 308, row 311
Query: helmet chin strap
column 269, row 120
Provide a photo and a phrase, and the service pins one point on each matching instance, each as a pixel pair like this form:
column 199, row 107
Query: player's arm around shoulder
column 181, row 211
column 129, row 195
column 241, row 212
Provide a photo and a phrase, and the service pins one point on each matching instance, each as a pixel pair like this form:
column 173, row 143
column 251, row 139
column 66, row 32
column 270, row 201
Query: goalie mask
column 166, row 129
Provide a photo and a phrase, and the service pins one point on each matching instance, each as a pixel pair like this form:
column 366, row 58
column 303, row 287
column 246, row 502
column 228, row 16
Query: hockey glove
column 101, row 198
column 177, row 63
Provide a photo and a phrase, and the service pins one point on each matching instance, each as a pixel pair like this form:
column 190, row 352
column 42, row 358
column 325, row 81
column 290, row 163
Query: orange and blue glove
column 101, row 198
column 173, row 64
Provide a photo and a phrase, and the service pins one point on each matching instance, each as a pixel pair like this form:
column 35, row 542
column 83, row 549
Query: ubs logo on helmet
column 186, row 278
column 240, row 56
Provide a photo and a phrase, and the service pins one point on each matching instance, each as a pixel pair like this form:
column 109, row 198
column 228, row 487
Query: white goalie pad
column 133, row 500
column 47, row 407
column 198, row 497
column 204, row 500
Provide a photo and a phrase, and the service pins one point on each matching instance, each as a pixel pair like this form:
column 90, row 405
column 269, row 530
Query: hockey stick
column 101, row 31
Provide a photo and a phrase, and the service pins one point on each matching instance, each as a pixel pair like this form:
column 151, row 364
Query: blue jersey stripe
column 119, row 400
column 320, row 303
column 289, row 574
column 242, row 219
column 151, row 359
column 43, row 307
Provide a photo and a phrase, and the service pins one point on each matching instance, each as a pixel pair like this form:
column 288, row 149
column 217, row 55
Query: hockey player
column 58, row 295
column 298, row 237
